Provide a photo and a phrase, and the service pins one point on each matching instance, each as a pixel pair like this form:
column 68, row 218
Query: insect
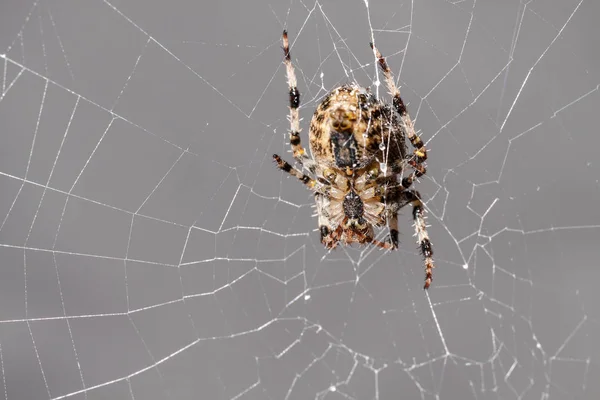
column 357, row 164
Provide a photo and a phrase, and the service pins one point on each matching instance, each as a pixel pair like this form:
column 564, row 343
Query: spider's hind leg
column 422, row 236
column 414, row 198
column 294, row 117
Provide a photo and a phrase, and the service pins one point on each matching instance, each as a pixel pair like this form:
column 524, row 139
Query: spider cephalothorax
column 357, row 163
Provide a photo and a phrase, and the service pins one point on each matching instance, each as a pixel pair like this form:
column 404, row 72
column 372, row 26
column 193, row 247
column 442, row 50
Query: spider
column 357, row 163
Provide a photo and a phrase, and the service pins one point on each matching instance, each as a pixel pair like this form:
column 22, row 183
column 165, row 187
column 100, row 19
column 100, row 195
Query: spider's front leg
column 420, row 152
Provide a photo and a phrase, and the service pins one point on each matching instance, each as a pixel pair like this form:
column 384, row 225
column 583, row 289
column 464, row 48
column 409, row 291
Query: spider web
column 150, row 250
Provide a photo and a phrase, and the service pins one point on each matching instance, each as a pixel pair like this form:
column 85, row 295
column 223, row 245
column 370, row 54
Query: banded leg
column 294, row 117
column 413, row 197
column 285, row 166
column 420, row 153
column 423, row 238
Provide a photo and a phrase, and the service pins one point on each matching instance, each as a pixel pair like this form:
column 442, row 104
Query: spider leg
column 413, row 197
column 294, row 117
column 285, row 166
column 420, row 153
column 391, row 183
column 423, row 237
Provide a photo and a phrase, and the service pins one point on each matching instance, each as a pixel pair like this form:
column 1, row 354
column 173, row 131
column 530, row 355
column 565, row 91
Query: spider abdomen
column 350, row 128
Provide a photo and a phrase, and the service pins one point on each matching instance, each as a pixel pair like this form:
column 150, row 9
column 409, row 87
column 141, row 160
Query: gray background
column 150, row 250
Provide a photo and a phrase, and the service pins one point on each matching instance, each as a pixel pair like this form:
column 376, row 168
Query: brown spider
column 359, row 156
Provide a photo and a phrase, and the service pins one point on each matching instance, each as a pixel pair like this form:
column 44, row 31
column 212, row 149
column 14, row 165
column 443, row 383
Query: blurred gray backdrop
column 150, row 250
